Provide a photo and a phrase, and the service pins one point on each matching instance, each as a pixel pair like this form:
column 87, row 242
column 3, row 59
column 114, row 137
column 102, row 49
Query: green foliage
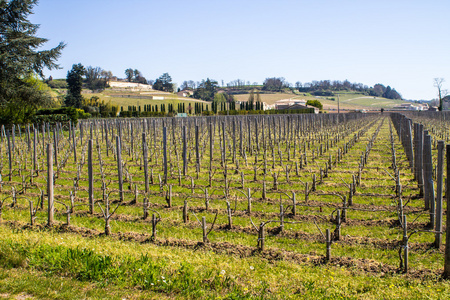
column 327, row 88
column 75, row 83
column 98, row 108
column 97, row 78
column 315, row 103
column 275, row 84
column 324, row 93
column 57, row 83
column 164, row 83
column 19, row 110
column 135, row 76
column 206, row 90
column 19, row 62
column 59, row 115
column 219, row 98
column 129, row 74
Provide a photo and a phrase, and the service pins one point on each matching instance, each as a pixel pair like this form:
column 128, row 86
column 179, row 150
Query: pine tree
column 75, row 82
column 20, row 93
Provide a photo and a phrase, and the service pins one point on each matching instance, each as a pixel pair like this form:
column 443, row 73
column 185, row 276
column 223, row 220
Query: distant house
column 185, row 93
column 286, row 103
column 294, row 104
column 129, row 85
column 433, row 108
column 410, row 106
column 298, row 106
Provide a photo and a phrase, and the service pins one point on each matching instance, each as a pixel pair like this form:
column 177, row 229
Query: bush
column 57, row 84
column 137, row 114
column 207, row 113
column 322, row 93
column 315, row 103
column 59, row 115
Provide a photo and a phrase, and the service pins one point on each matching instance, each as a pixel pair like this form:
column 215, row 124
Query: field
column 140, row 98
column 258, row 207
column 348, row 101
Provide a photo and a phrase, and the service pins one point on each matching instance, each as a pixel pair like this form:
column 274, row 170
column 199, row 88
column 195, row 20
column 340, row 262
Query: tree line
column 328, row 87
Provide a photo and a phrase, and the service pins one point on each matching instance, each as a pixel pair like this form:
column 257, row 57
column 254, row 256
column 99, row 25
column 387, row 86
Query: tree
column 275, row 84
column 187, row 85
column 94, row 81
column 138, row 77
column 107, row 77
column 315, row 103
column 390, row 93
column 163, row 83
column 251, row 100
column 206, row 90
column 378, row 90
column 20, row 95
column 220, row 98
column 129, row 73
column 75, row 83
column 441, row 93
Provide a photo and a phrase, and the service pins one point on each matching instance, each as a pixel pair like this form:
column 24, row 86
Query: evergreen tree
column 75, row 83
column 20, row 93
column 206, row 90
column 163, row 83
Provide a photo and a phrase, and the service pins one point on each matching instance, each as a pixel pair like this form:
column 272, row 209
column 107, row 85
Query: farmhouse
column 293, row 104
column 185, row 93
column 410, row 106
column 286, row 103
column 129, row 85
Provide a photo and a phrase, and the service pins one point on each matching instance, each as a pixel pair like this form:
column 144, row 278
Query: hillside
column 347, row 100
column 136, row 97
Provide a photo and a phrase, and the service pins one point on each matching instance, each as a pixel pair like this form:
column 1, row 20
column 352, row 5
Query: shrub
column 59, row 115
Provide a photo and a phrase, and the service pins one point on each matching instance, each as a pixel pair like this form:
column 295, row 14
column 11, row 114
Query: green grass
column 94, row 267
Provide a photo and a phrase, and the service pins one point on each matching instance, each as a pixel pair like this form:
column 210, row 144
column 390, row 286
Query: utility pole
column 338, row 104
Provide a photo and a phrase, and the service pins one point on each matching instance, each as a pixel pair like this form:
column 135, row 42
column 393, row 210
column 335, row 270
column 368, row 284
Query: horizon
column 401, row 44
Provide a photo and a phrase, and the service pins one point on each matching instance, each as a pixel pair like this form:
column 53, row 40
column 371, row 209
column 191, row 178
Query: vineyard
column 231, row 207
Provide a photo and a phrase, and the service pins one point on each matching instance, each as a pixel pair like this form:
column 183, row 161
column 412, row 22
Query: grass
column 95, row 267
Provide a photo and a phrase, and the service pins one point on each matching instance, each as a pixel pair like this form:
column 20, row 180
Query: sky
column 403, row 44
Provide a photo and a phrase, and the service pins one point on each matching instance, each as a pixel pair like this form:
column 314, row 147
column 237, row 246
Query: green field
column 131, row 98
column 347, row 100
column 79, row 261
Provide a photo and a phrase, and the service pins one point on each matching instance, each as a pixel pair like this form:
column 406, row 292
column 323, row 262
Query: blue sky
column 404, row 44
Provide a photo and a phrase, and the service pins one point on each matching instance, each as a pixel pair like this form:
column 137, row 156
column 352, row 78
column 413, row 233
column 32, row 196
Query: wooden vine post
column 205, row 236
column 328, row 245
column 90, row 178
column 428, row 178
column 439, row 188
column 447, row 236
column 165, row 153
column 185, row 212
column 119, row 167
column 261, row 237
column 50, row 184
column 405, row 245
column 229, row 215
column 184, row 151
column 145, row 159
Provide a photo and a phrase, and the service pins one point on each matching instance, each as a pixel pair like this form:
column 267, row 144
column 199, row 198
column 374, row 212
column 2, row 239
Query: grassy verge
column 65, row 266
